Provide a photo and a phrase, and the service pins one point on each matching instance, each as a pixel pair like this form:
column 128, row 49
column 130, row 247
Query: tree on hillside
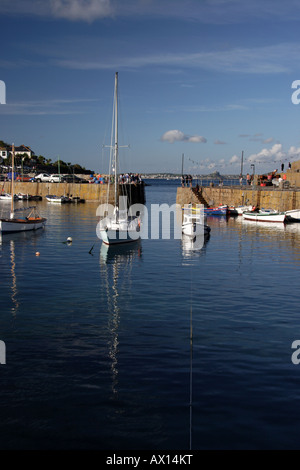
column 41, row 160
column 78, row 168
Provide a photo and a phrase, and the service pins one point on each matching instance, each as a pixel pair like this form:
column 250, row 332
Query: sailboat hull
column 116, row 237
column 113, row 233
column 21, row 225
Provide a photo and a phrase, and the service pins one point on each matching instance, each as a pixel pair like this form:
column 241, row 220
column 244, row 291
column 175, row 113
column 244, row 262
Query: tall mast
column 116, row 137
column 242, row 164
column 12, row 181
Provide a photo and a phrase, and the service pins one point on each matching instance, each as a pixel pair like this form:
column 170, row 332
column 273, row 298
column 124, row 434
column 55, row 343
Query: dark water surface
column 98, row 352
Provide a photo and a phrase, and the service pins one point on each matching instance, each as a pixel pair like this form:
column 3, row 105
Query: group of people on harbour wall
column 273, row 178
column 186, row 181
column 126, row 178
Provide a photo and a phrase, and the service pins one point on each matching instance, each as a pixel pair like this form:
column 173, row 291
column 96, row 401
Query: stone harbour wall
column 273, row 198
column 87, row 191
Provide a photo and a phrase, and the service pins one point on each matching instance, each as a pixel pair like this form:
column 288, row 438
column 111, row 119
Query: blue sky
column 209, row 79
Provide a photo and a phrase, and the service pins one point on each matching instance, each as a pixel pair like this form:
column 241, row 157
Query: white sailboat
column 118, row 227
column 20, row 224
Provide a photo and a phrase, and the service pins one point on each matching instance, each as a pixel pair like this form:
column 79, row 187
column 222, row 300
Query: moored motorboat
column 265, row 215
column 193, row 224
column 238, row 210
column 5, row 197
column 23, row 197
column 220, row 210
column 293, row 215
column 57, row 199
column 77, row 200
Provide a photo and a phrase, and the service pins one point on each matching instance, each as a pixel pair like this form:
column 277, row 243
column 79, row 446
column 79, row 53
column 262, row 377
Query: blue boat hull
column 215, row 211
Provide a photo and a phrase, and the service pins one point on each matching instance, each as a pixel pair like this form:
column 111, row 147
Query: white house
column 22, row 150
column 3, row 153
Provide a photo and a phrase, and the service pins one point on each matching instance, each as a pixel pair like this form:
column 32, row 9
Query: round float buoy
column 69, row 239
column 37, row 253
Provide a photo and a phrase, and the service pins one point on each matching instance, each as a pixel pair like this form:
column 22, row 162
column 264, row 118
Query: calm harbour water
column 98, row 345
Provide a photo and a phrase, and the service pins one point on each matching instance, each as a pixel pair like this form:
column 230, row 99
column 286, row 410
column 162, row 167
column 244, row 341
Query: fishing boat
column 265, row 215
column 23, row 197
column 293, row 215
column 238, row 210
column 118, row 227
column 20, row 224
column 196, row 208
column 193, row 224
column 5, row 197
column 77, row 200
column 57, row 199
column 220, row 210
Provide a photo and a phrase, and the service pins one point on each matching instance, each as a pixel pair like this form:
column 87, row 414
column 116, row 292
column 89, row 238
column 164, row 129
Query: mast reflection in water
column 115, row 271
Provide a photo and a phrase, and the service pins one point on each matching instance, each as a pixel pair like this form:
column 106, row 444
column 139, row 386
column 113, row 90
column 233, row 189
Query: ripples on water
column 98, row 340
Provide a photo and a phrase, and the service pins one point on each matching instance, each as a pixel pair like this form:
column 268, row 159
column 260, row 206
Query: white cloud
column 278, row 58
column 73, row 10
column 205, row 11
column 178, row 136
column 219, row 142
column 85, row 10
column 258, row 138
column 48, row 107
column 235, row 159
column 274, row 154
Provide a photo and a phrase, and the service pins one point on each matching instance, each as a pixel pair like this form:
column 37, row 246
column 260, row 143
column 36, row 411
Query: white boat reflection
column 266, row 226
column 191, row 245
column 21, row 237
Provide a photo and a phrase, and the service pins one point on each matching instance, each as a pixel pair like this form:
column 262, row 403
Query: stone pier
column 87, row 191
column 266, row 197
